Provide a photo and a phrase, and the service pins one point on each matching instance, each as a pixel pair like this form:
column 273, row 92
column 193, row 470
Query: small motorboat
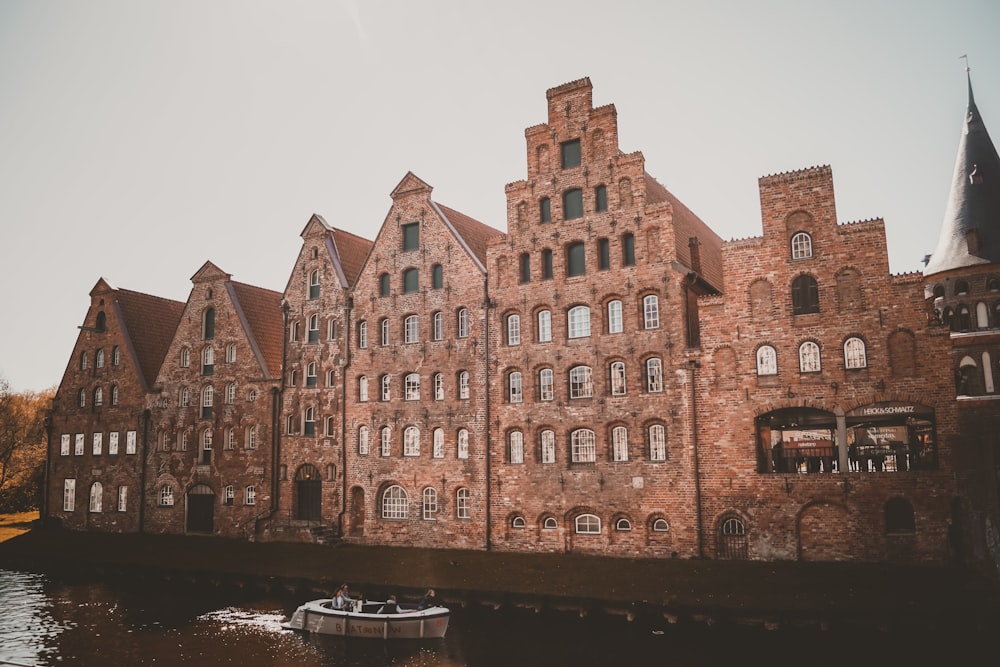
column 367, row 618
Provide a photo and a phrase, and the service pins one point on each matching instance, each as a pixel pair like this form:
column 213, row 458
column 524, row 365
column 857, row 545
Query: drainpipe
column 142, row 469
column 489, row 449
column 348, row 309
column 278, row 399
column 693, row 365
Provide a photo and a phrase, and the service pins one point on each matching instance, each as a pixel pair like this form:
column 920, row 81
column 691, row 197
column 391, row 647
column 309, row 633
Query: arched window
column 83, row 360
column 311, row 374
column 544, row 326
column 657, row 442
column 805, row 295
column 615, row 316
column 547, row 444
column 961, row 287
column 114, row 394
column 982, row 316
column 439, row 386
column 651, row 312
column 654, row 374
column 98, row 396
column 116, row 355
column 463, row 444
column 546, row 384
column 411, row 387
column 619, row 443
column 802, row 246
column 385, row 441
column 515, row 447
column 208, row 323
column 312, row 334
column 96, row 497
column 661, row 526
column 618, row 378
column 463, row 384
column 363, row 440
column 588, row 524
column 384, row 331
column 394, row 503
column 517, row 522
column 185, row 360
column 962, row 320
column 732, row 538
column 438, row 320
column 362, row 388
column 384, row 382
column 581, row 382
column 809, row 358
column 578, row 319
column 438, row 444
column 767, row 360
column 623, row 525
column 362, row 335
column 513, row 329
column 314, row 284
column 462, row 497
column 207, row 397
column 463, row 323
column 99, row 359
column 515, row 387
column 309, row 421
column 430, row 504
column 411, row 441
column 550, row 523
column 854, row 353
column 583, row 446
column 411, row 329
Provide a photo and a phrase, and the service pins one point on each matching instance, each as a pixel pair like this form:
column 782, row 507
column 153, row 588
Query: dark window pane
column 210, row 323
column 573, row 204
column 600, row 198
column 411, row 280
column 314, row 291
column 603, row 254
column 383, row 284
column 571, row 154
column 805, row 295
column 525, row 268
column 575, row 264
column 411, row 235
column 628, row 250
column 545, row 210
column 546, row 264
column 438, row 277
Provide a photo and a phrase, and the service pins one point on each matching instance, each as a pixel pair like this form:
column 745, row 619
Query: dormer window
column 802, row 246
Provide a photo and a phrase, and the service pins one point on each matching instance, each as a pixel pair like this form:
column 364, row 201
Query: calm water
column 80, row 621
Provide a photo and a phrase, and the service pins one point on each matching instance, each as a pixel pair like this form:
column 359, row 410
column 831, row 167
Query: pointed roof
column 970, row 234
column 352, row 251
column 260, row 311
column 473, row 234
column 148, row 323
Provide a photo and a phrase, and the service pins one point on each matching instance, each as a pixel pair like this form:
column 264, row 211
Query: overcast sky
column 139, row 139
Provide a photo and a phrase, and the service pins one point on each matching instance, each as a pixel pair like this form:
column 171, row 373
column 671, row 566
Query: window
column 313, row 331
column 113, row 443
column 329, row 427
column 570, row 154
column 122, row 498
column 411, row 441
column 515, row 441
column 185, row 360
column 619, row 443
column 411, row 280
column 661, row 526
column 462, row 503
column 579, row 322
column 411, row 329
column 185, row 397
column 99, row 359
column 437, row 277
column 384, row 284
column 385, row 442
column 229, row 495
column 547, row 444
column 311, row 374
column 166, row 496
column 64, row 444
column 525, row 266
column 588, row 524
column 293, row 332
column 805, row 295
column 513, row 329
column 573, row 204
column 463, row 443
column 603, row 254
column 69, row 495
column 83, row 361
column 546, row 382
column 581, row 382
column 515, row 387
column 384, row 383
column 651, row 311
column 615, row 316
column 583, row 447
column 618, row 378
column 623, row 525
column 96, row 497
column 116, row 356
column 251, row 437
column 411, row 236
column 331, row 329
column 430, row 504
column 575, row 259
column 654, row 375
column 437, row 450
column 231, row 353
column 314, row 284
column 546, row 264
column 384, row 332
column 362, row 388
column 363, row 440
column 130, row 442
column 767, row 360
column 463, row 323
column 854, row 353
column 545, row 210
column 438, row 321
column 802, row 246
column 98, row 396
column 549, row 523
column 309, row 421
column 411, row 387
column 657, row 443
column 206, row 401
column 251, row 495
column 439, row 386
column 208, row 322
column 463, row 384
column 362, row 335
column 98, row 444
column 544, row 326
column 517, row 522
column 809, row 360
column 394, row 503
column 230, row 438
column 600, row 198
column 628, row 249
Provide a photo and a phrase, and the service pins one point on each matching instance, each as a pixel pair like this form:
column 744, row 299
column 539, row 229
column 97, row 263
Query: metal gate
column 200, row 509
column 731, row 543
column 309, row 494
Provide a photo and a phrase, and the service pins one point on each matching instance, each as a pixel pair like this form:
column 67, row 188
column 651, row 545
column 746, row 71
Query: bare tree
column 22, row 444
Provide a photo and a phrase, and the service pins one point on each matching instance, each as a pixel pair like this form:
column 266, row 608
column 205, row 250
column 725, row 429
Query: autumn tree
column 22, row 446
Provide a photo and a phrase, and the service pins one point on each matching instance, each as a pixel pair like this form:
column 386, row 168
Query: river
column 82, row 620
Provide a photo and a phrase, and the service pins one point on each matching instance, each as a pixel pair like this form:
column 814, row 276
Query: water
column 83, row 621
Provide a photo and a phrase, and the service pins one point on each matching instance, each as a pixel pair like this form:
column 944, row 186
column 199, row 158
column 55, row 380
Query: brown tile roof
column 352, row 251
column 476, row 235
column 687, row 225
column 261, row 311
column 149, row 323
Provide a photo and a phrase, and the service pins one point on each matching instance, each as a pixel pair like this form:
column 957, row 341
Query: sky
column 141, row 138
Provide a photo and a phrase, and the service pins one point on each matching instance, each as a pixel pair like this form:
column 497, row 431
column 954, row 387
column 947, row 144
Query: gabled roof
column 686, row 226
column 474, row 234
column 970, row 234
column 352, row 250
column 148, row 324
column 260, row 311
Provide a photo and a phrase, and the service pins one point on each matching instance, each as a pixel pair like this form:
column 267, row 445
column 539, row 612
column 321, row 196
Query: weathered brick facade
column 608, row 376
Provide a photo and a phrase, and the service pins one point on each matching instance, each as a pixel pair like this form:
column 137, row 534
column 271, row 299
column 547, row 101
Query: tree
column 22, row 446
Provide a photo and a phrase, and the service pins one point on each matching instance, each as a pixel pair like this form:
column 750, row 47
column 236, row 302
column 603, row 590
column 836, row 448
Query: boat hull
column 319, row 617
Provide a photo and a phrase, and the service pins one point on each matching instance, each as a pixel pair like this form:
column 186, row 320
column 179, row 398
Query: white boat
column 366, row 620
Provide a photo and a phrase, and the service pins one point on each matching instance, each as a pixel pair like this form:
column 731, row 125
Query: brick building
column 606, row 376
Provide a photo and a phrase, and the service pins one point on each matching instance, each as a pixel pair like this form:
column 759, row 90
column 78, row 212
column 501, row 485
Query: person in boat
column 390, row 606
column 429, row 600
column 343, row 600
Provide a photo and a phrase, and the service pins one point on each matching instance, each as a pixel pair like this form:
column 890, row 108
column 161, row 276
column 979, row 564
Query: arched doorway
column 200, row 509
column 731, row 540
column 308, row 494
column 357, row 511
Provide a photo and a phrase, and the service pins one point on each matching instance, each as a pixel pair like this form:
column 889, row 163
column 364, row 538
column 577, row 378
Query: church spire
column 970, row 233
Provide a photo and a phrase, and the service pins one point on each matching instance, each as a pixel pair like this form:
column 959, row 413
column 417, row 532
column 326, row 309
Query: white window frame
column 231, row 353
column 384, row 332
column 463, row 323
column 64, row 444
column 578, row 322
column 395, row 503
column 411, row 329
column 98, row 444
column 651, row 311
column 251, row 436
column 437, row 448
column 546, row 384
column 430, row 504
column 855, row 353
column 439, row 386
column 250, row 497
column 79, row 445
column 515, row 387
column 810, row 360
column 130, row 442
column 363, row 335
column 801, row 246
column 619, row 444
column 587, row 524
column 547, row 444
column 615, row 321
column 363, row 388
column 654, row 375
column 112, row 443
column 581, row 382
column 515, row 447
column 513, row 329
column 438, row 325
column 69, row 495
column 385, row 442
column 618, row 386
column 122, row 505
column 544, row 326
column 463, row 384
column 767, row 361
column 230, row 393
column 411, row 441
column 166, row 496
column 385, row 384
column 657, row 442
column 462, row 510
column 583, row 446
column 363, row 440
column 411, row 387
column 96, row 497
column 462, row 449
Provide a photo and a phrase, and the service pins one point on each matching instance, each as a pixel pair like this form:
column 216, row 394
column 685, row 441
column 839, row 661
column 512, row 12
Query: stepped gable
column 688, row 225
column 476, row 235
column 970, row 234
column 261, row 312
column 149, row 323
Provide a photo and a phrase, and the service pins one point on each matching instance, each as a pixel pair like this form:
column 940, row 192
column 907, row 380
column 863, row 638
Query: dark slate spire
column 970, row 234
